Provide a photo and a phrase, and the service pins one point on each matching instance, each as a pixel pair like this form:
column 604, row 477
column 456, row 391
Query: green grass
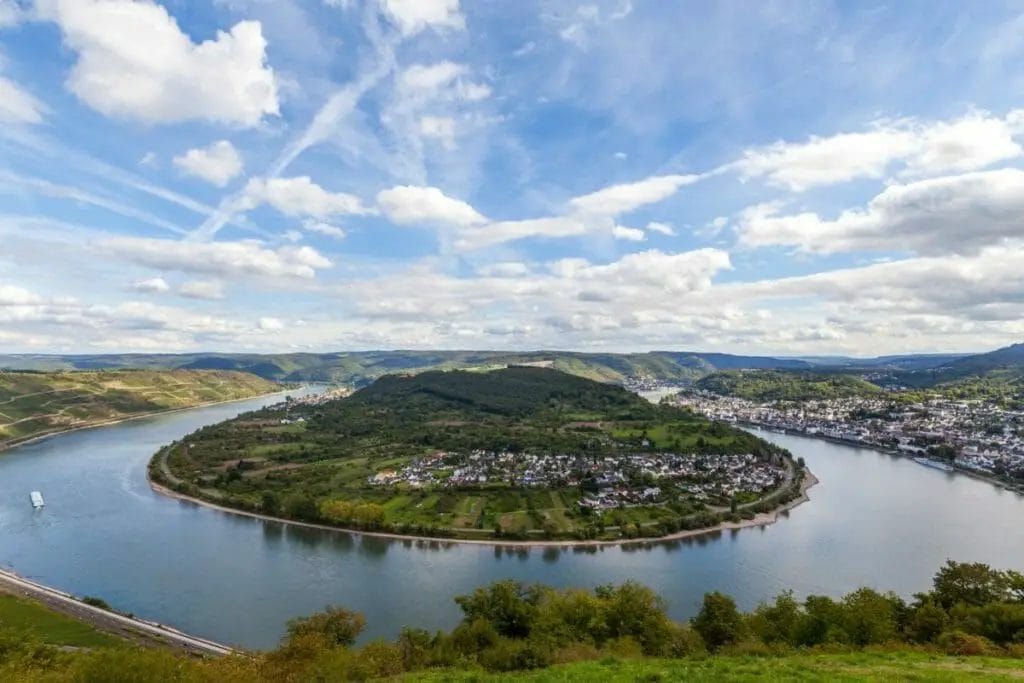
column 52, row 628
column 862, row 666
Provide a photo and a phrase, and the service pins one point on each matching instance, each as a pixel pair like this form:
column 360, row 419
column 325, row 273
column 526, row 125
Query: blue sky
column 275, row 175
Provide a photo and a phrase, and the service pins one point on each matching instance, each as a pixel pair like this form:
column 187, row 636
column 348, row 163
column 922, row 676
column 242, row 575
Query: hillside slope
column 773, row 385
column 35, row 403
column 360, row 368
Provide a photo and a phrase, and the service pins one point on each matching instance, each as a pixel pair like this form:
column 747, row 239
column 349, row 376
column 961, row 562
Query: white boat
column 37, row 499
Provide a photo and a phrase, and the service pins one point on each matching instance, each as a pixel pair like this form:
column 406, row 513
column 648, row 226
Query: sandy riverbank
column 140, row 630
column 14, row 443
column 762, row 519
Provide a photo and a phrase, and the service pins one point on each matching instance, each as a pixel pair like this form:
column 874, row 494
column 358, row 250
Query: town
column 608, row 482
column 975, row 436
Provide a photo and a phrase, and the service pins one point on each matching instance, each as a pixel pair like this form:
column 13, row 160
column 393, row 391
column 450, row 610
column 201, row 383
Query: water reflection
column 875, row 519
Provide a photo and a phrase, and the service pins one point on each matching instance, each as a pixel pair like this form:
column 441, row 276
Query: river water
column 874, row 519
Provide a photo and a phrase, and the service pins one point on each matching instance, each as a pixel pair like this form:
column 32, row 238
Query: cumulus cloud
column 413, row 16
column 217, row 164
column 155, row 285
column 952, row 214
column 135, row 62
column 972, row 142
column 210, row 290
column 661, row 228
column 326, row 229
column 621, row 232
column 480, row 236
column 18, row 105
column 270, row 324
column 224, row 259
column 299, row 196
column 408, row 204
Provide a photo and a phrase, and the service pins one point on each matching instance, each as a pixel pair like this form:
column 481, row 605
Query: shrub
column 337, row 626
column 719, row 622
column 964, row 644
column 927, row 622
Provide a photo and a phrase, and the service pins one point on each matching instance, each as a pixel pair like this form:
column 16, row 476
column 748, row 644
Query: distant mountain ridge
column 362, row 367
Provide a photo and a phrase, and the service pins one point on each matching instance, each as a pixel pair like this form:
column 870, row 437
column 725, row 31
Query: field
column 861, row 666
column 32, row 619
column 33, row 404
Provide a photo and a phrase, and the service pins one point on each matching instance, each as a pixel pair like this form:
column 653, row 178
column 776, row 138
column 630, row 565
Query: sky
column 780, row 177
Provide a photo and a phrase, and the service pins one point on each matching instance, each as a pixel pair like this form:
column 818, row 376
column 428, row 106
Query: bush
column 927, row 622
column 335, row 625
column 719, row 622
column 964, row 644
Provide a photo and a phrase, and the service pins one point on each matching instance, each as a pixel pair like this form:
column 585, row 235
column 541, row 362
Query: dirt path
column 131, row 628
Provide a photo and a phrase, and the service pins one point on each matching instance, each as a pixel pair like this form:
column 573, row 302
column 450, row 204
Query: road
column 111, row 622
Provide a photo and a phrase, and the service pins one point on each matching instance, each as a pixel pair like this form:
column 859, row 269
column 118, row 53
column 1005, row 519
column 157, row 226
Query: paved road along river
column 874, row 519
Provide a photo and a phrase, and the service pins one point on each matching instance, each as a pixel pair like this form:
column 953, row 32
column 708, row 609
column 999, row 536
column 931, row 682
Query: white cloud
column 156, row 285
column 621, row 232
column 953, row 214
column 430, row 77
column 661, row 228
column 210, row 290
column 300, row 196
column 326, row 229
column 972, row 142
column 217, row 164
column 506, row 231
column 413, row 16
column 224, row 259
column 270, row 324
column 10, row 13
column 441, row 128
column 17, row 105
column 619, row 199
column 135, row 62
column 407, row 204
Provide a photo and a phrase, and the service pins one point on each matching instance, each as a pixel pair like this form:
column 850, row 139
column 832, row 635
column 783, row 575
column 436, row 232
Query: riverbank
column 759, row 520
column 124, row 626
column 24, row 441
column 994, row 481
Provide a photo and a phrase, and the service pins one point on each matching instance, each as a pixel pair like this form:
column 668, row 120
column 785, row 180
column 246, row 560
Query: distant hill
column 37, row 403
column 774, row 385
column 360, row 368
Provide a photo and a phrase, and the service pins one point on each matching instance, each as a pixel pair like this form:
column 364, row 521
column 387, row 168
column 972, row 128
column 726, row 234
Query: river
column 875, row 520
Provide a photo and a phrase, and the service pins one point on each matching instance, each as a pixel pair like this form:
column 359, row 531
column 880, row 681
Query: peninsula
column 520, row 453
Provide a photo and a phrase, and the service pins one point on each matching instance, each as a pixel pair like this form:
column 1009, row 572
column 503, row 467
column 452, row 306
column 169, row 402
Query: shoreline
column 998, row 483
column 16, row 443
column 759, row 520
column 114, row 623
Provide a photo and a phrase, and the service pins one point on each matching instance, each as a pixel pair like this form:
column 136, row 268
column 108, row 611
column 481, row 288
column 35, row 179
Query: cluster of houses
column 973, row 435
column 622, row 480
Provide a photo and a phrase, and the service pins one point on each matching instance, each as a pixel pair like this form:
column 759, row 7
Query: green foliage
column 335, row 625
column 779, row 385
column 320, row 468
column 718, row 622
column 612, row 632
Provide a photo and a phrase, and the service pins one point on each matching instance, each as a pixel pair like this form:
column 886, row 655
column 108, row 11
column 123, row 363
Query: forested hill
column 361, row 368
column 514, row 391
column 772, row 385
column 37, row 403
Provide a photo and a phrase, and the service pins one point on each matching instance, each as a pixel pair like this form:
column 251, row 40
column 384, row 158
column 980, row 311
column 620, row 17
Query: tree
column 336, row 625
column 269, row 504
column 301, row 506
column 969, row 583
column 509, row 606
column 719, row 622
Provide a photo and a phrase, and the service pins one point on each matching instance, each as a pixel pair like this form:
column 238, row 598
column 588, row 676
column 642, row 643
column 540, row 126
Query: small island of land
column 519, row 454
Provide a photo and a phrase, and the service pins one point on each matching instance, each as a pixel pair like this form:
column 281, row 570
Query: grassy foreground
column 37, row 403
column 40, row 623
column 860, row 666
